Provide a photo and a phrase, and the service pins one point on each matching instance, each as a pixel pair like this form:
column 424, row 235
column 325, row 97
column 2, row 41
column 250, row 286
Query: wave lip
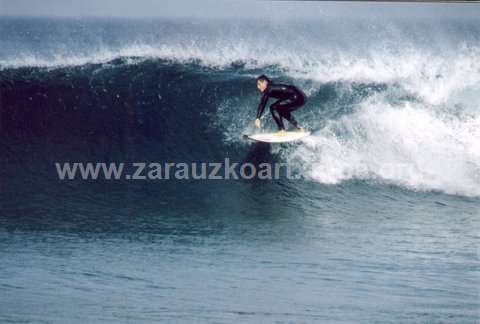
column 432, row 76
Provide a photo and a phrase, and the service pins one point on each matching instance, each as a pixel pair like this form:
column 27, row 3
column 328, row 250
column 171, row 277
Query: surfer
column 289, row 97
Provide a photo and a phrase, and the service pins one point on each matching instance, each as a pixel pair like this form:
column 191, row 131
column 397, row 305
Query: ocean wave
column 394, row 109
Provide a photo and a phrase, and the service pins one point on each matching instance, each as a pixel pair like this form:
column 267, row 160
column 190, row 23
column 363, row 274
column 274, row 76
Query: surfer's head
column 262, row 82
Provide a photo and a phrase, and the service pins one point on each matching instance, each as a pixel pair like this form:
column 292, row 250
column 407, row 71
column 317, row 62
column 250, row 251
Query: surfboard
column 277, row 138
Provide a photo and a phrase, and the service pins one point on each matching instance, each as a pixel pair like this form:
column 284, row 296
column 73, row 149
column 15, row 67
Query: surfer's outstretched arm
column 261, row 106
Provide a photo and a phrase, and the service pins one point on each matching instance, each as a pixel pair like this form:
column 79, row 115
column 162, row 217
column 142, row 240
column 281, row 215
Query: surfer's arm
column 261, row 106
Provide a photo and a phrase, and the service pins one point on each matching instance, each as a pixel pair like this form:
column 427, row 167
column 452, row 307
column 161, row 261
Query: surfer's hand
column 257, row 123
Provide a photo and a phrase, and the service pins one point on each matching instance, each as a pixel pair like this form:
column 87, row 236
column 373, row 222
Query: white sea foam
column 406, row 145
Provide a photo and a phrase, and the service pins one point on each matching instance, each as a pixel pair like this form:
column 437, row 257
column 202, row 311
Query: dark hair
column 263, row 77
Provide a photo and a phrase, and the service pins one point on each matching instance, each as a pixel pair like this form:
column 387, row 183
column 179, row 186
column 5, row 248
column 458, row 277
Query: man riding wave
column 289, row 97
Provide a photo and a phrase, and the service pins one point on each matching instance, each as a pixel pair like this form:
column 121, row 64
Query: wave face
column 393, row 102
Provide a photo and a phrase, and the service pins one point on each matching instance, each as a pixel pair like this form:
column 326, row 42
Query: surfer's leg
column 285, row 108
column 277, row 117
column 288, row 116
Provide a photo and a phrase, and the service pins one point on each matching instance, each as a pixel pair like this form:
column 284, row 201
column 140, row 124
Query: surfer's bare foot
column 281, row 132
column 301, row 129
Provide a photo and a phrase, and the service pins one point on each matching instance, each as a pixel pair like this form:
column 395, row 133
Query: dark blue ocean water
column 383, row 225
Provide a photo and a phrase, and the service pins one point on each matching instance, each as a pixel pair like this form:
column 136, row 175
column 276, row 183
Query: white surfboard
column 278, row 138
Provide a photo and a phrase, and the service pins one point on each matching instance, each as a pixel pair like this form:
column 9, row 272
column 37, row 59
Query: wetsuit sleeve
column 261, row 106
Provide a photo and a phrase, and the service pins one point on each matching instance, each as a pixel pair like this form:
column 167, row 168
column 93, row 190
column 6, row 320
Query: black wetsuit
column 289, row 98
